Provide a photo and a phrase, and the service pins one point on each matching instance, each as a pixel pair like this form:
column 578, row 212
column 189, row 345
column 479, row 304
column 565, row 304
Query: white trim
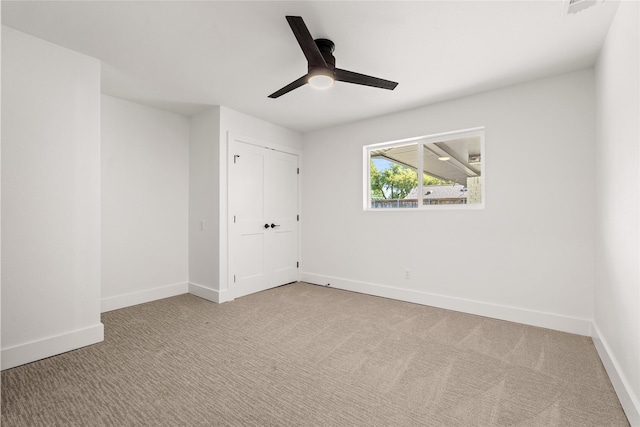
column 445, row 207
column 223, row 210
column 513, row 314
column 51, row 346
column 234, row 136
column 628, row 400
column 209, row 294
column 434, row 137
column 140, row 297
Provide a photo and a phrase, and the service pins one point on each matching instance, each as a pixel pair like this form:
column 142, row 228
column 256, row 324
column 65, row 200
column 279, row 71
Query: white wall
column 526, row 257
column 0, row 209
column 145, row 188
column 245, row 125
column 204, row 204
column 617, row 286
column 208, row 275
column 50, row 199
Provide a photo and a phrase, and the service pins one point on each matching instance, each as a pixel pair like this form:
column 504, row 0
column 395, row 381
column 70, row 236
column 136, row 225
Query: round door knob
column 266, row 226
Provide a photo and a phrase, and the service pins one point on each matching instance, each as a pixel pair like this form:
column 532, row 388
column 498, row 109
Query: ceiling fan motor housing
column 326, row 48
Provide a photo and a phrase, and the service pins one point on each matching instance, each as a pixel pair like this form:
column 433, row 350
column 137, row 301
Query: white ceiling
column 184, row 56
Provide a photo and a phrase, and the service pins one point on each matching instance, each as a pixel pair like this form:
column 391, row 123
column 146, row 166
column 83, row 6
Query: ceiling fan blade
column 309, row 47
column 291, row 86
column 362, row 79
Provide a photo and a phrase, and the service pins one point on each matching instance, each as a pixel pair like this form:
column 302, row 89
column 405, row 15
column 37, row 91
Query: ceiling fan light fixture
column 321, row 81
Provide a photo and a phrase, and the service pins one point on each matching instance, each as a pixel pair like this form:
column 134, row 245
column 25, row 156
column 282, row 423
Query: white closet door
column 263, row 201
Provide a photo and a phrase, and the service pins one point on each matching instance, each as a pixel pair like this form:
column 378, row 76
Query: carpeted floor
column 304, row 355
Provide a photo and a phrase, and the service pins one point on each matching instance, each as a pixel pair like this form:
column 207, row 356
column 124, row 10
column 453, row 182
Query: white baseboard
column 513, row 314
column 140, row 297
column 51, row 346
column 208, row 293
column 628, row 400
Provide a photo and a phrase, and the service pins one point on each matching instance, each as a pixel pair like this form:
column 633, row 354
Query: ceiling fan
column 322, row 71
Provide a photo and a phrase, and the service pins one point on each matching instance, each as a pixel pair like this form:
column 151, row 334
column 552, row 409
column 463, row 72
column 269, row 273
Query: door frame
column 226, row 217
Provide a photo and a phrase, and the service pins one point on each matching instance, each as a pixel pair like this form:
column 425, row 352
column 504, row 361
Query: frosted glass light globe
column 320, row 81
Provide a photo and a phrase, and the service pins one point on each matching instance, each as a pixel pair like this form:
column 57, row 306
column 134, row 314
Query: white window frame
column 420, row 141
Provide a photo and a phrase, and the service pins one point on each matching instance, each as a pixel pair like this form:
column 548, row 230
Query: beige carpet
column 304, row 355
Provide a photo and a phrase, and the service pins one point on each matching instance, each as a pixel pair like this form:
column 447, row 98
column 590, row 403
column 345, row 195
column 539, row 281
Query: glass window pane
column 452, row 172
column 394, row 177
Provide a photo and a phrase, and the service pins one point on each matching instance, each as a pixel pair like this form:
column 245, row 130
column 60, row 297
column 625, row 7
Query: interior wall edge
column 540, row 319
column 51, row 346
column 209, row 294
column 140, row 297
column 628, row 400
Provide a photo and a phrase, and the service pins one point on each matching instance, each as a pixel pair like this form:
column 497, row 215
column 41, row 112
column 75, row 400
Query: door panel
column 284, row 261
column 283, row 200
column 251, row 263
column 282, row 207
column 248, row 183
column 247, row 232
column 263, row 191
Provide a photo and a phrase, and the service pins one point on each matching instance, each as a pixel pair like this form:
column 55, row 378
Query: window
column 451, row 165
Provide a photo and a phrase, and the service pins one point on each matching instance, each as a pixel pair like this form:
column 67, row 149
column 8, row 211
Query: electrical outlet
column 407, row 274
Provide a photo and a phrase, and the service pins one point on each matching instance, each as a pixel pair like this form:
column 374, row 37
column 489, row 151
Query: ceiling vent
column 574, row 6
